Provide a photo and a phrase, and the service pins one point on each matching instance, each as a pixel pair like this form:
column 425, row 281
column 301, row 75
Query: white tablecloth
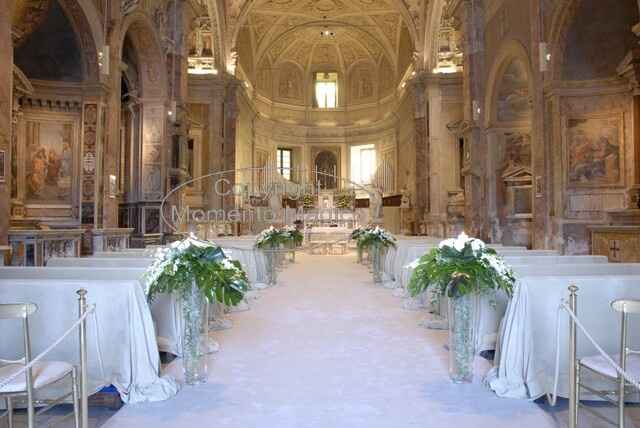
column 525, row 364
column 126, row 333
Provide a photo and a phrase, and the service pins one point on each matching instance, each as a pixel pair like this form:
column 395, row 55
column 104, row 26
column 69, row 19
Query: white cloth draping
column 115, row 262
column 525, row 364
column 124, row 335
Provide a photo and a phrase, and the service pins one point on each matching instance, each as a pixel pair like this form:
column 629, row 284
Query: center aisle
column 327, row 349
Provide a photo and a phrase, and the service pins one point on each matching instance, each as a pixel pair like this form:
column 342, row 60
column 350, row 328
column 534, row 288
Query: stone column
column 630, row 70
column 229, row 142
column 418, row 85
column 476, row 223
column 6, row 105
column 540, row 141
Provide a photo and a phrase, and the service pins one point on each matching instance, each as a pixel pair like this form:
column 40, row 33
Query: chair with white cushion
column 627, row 359
column 40, row 375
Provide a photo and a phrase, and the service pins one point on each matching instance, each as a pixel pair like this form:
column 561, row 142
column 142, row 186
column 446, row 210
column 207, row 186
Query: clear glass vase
column 377, row 262
column 360, row 251
column 272, row 264
column 193, row 352
column 462, row 312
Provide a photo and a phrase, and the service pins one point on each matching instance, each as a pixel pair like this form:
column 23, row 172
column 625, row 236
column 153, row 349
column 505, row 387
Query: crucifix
column 614, row 249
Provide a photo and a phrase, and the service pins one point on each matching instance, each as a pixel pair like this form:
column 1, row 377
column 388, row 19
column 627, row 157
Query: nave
column 327, row 348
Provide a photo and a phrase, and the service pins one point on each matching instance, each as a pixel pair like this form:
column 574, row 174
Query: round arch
column 431, row 35
column 510, row 51
column 152, row 67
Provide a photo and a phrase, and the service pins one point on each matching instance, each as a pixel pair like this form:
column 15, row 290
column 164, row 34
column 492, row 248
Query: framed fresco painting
column 50, row 160
column 594, row 151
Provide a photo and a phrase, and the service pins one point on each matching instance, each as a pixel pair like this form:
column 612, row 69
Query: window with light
column 284, row 162
column 363, row 164
column 326, row 90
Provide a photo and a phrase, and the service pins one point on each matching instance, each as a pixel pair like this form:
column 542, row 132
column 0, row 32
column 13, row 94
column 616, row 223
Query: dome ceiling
column 324, row 35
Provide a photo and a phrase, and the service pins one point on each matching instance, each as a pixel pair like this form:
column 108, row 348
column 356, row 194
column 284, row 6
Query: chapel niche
column 514, row 196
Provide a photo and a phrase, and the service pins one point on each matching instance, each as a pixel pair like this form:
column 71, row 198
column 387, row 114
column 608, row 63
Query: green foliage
column 344, row 200
column 308, row 201
column 274, row 238
column 187, row 261
column 457, row 273
column 369, row 237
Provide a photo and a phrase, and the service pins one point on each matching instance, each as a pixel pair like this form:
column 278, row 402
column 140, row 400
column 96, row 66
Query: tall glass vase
column 193, row 353
column 360, row 251
column 463, row 311
column 272, row 262
column 377, row 263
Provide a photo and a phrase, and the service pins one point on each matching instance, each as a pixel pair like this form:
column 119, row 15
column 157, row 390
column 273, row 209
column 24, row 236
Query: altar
column 327, row 240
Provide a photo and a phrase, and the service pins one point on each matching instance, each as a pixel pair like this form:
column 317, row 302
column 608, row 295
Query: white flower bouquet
column 176, row 268
column 369, row 237
column 273, row 237
column 461, row 266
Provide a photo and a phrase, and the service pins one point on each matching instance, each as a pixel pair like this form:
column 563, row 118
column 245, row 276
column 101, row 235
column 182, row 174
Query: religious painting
column 362, row 82
column 517, row 149
column 290, row 82
column 594, row 151
column 514, row 100
column 3, row 168
column 49, row 161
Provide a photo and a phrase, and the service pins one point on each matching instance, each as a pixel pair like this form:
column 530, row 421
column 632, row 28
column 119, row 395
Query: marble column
column 418, row 85
column 541, row 141
column 229, row 143
column 6, row 105
column 476, row 223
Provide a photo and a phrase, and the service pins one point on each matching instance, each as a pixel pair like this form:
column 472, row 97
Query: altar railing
column 111, row 239
column 36, row 247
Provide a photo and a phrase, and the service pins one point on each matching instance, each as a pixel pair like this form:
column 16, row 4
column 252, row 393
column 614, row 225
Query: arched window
column 326, row 90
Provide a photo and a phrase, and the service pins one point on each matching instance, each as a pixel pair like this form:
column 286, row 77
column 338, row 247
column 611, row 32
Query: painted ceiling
column 279, row 31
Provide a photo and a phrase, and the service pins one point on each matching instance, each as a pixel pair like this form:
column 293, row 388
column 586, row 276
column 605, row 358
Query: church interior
column 130, row 126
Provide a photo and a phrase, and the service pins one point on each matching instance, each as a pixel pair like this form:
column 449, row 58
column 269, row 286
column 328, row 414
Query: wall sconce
column 103, row 60
column 545, row 57
column 476, row 110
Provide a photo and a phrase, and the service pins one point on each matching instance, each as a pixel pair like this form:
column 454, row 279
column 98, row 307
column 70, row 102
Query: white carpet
column 327, row 349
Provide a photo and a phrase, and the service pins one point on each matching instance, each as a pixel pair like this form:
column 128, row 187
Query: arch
column 561, row 26
column 84, row 23
column 326, row 164
column 151, row 59
column 510, row 52
column 432, row 34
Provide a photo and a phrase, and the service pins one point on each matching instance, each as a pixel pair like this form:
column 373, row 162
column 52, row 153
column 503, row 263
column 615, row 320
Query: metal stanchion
column 84, row 397
column 573, row 368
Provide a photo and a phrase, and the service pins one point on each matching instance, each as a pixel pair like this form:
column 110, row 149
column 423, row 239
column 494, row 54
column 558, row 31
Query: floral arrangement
column 295, row 236
column 355, row 234
column 370, row 236
column 461, row 266
column 184, row 262
column 274, row 237
column 308, row 201
column 344, row 200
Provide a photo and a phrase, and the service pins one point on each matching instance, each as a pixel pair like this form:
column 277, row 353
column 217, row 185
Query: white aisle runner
column 327, row 349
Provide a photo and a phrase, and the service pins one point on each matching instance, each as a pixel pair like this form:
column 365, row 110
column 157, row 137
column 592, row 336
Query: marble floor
column 326, row 348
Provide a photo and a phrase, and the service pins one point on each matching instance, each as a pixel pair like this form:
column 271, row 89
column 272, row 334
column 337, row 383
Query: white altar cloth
column 127, row 340
column 525, row 364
